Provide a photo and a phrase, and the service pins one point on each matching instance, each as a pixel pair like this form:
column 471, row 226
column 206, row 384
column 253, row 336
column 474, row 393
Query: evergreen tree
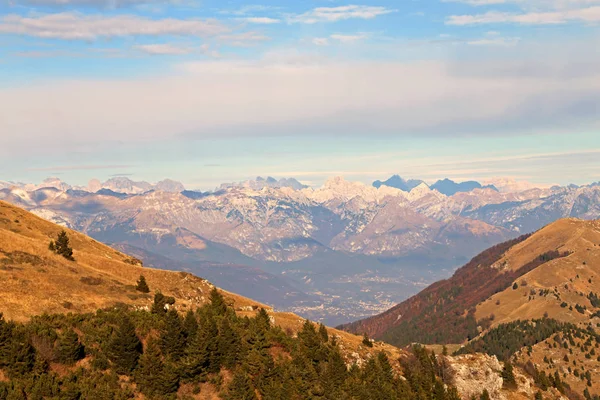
column 217, row 302
column 161, row 302
column 190, row 324
column 538, row 396
column 485, row 395
column 124, row 348
column 61, row 246
column 142, row 285
column 51, row 246
column 5, row 340
column 202, row 353
column 508, row 375
column 152, row 376
column 20, row 355
column 366, row 341
column 335, row 375
column 240, row 387
column 323, row 333
column 69, row 348
column 173, row 337
column 229, row 344
column 262, row 320
column 453, row 394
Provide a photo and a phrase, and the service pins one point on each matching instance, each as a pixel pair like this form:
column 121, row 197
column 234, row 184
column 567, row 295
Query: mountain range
column 519, row 319
column 515, row 300
column 49, row 301
column 340, row 252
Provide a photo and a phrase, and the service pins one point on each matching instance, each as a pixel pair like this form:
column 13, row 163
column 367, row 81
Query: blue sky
column 207, row 91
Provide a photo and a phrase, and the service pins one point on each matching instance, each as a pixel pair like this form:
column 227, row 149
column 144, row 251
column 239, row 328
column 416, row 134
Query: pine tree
column 323, row 333
column 240, row 387
column 508, row 375
column 152, row 375
column 51, row 246
column 202, row 353
column 124, row 348
column 217, row 302
column 538, row 396
column 366, row 341
column 161, row 303
column 262, row 320
column 485, row 395
column 69, row 348
column 5, row 339
column 335, row 373
column 190, row 324
column 20, row 355
column 61, row 246
column 173, row 337
column 142, row 285
column 230, row 344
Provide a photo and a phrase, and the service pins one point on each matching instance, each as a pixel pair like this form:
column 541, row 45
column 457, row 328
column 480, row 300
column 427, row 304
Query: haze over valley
column 335, row 253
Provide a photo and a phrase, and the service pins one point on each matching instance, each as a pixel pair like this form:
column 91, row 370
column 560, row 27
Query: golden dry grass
column 569, row 277
column 34, row 280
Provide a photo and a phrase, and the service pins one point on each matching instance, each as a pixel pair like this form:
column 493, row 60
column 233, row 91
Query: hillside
column 396, row 241
column 37, row 281
column 551, row 272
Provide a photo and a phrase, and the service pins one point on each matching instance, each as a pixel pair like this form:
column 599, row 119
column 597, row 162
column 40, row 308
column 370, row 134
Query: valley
column 335, row 254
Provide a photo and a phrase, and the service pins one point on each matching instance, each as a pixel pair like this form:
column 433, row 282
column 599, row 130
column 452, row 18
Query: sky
column 207, row 91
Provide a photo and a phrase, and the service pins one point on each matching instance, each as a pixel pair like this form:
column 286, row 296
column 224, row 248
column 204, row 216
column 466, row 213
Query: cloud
column 243, row 39
column 275, row 97
column 260, row 20
column 163, row 49
column 78, row 167
column 111, row 4
column 530, row 4
column 75, row 26
column 589, row 14
column 495, row 41
column 250, row 9
column 349, row 38
column 334, row 14
column 345, row 39
column 321, row 41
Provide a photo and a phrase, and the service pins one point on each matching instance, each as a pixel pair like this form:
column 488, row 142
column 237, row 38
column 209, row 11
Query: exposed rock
column 473, row 373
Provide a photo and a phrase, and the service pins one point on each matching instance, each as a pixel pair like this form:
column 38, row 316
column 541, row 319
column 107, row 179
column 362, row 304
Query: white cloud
column 163, row 49
column 590, row 14
column 243, row 39
column 321, row 41
column 495, row 41
column 93, row 3
column 260, row 20
column 77, row 26
column 530, row 4
column 218, row 98
column 334, row 14
column 250, row 9
column 348, row 38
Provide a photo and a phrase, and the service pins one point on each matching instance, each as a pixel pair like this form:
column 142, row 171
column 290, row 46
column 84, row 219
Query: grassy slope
column 567, row 277
column 35, row 280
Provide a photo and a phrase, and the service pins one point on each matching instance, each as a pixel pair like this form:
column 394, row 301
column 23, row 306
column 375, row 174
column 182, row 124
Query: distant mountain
column 450, row 188
column 125, row 185
column 399, row 183
column 532, row 300
column 508, row 185
column 269, row 182
column 521, row 279
column 359, row 232
column 169, row 185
